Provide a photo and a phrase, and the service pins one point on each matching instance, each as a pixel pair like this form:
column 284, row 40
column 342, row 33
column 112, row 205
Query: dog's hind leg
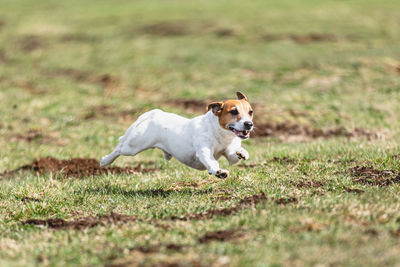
column 137, row 138
column 108, row 159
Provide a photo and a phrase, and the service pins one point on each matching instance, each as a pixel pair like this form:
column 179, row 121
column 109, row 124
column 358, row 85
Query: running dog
column 197, row 142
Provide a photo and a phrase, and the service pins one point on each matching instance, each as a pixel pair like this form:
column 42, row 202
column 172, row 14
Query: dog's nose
column 248, row 125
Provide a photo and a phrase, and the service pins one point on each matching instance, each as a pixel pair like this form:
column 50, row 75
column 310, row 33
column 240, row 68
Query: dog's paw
column 222, row 174
column 243, row 154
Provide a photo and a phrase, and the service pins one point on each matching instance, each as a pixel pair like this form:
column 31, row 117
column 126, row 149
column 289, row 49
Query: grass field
column 322, row 183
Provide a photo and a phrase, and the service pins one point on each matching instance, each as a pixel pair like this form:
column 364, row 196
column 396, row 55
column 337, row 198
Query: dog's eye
column 234, row 112
column 250, row 112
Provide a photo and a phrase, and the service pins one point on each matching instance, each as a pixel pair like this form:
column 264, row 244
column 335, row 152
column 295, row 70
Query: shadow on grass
column 116, row 190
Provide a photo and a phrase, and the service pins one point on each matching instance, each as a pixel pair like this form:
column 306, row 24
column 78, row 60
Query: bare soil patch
column 285, row 201
column 107, row 111
column 243, row 203
column 166, row 28
column 78, row 37
column 221, row 235
column 107, row 81
column 246, row 202
column 82, row 223
column 309, row 184
column 308, row 226
column 288, row 131
column 2, row 25
column 30, row 43
column 29, row 86
column 353, row 190
column 28, row 199
column 224, row 32
column 372, row 176
column 3, row 57
column 76, row 167
column 301, row 38
column 190, row 105
column 37, row 136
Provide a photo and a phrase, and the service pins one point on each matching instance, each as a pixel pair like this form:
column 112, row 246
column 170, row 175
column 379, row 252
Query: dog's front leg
column 234, row 155
column 205, row 155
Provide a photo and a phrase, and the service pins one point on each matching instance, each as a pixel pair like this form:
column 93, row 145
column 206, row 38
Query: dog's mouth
column 241, row 134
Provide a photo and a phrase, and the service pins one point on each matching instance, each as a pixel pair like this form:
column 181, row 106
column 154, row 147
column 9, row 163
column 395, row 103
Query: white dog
column 197, row 142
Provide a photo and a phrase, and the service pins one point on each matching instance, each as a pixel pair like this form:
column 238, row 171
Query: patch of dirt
column 190, row 105
column 30, row 43
column 107, row 81
column 78, row 37
column 38, row 137
column 285, row 201
column 2, row 24
column 372, row 176
column 28, row 199
column 82, row 223
column 3, row 57
column 246, row 202
column 301, row 38
column 283, row 160
column 193, row 184
column 224, row 32
column 308, row 226
column 107, row 111
column 157, row 248
column 76, row 167
column 166, row 28
column 353, row 190
column 309, row 184
column 395, row 233
column 29, row 86
column 288, row 131
column 221, row 235
column 371, row 232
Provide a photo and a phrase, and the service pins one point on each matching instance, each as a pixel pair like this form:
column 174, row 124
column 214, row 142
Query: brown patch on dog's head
column 232, row 112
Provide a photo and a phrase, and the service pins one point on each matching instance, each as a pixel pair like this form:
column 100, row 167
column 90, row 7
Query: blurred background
column 72, row 67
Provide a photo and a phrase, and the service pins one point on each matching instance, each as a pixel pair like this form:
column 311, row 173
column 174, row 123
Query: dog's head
column 234, row 115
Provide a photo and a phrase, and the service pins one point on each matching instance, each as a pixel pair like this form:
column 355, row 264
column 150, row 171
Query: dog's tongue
column 236, row 131
column 239, row 133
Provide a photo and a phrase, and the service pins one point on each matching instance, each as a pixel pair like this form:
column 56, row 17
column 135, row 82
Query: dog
column 197, row 142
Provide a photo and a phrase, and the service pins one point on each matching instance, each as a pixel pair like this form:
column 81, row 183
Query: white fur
column 197, row 142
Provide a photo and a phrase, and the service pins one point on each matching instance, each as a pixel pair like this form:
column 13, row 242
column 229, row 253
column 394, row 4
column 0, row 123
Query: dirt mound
column 301, row 38
column 82, row 223
column 166, row 28
column 288, row 131
column 371, row 176
column 222, row 235
column 76, row 167
column 190, row 105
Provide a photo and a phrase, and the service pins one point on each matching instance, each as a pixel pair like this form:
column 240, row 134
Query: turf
column 321, row 186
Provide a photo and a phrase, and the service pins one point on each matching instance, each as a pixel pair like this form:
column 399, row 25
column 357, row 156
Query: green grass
column 54, row 55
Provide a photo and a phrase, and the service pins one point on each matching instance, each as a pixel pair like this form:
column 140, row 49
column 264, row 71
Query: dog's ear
column 241, row 96
column 215, row 107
